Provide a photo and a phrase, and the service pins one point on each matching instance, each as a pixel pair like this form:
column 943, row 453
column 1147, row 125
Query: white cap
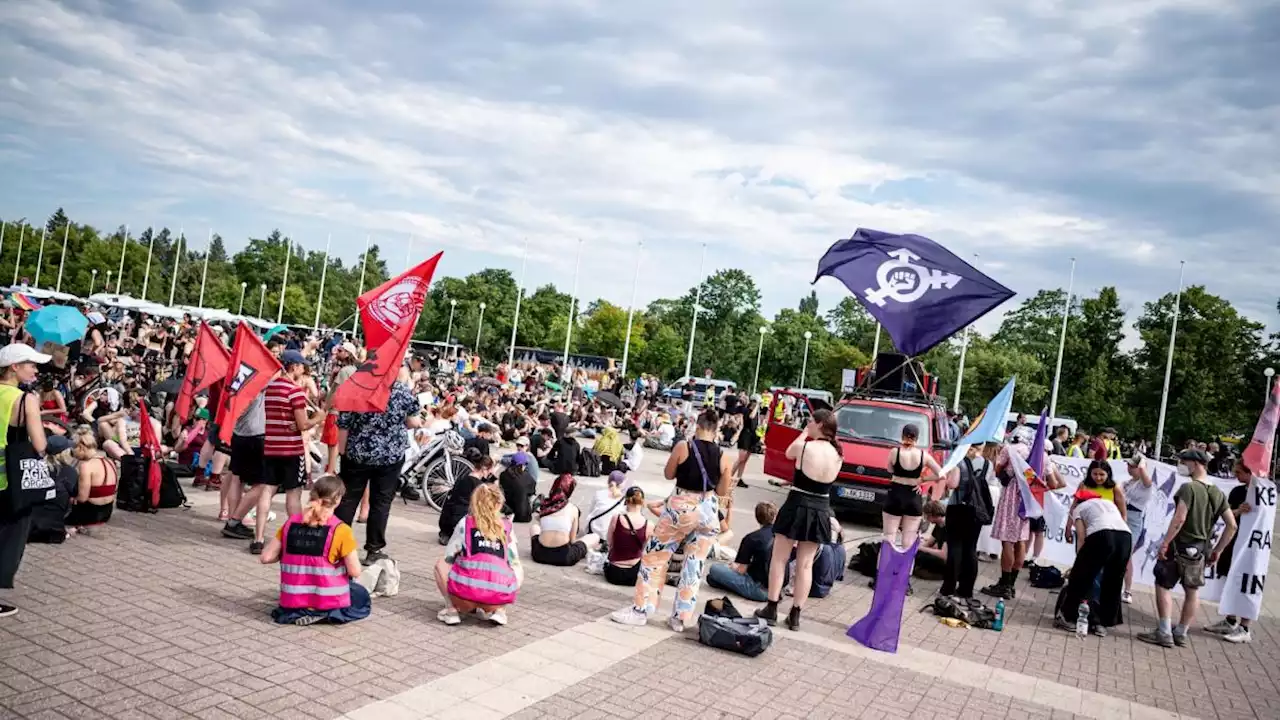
column 19, row 353
column 351, row 349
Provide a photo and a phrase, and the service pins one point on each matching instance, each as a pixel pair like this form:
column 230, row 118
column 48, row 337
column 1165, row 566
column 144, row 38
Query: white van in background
column 1033, row 420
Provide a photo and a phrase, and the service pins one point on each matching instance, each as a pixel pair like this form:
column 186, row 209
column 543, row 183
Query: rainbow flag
column 26, row 302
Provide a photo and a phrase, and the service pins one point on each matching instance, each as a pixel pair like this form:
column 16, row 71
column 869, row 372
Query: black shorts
column 248, row 459
column 1184, row 564
column 1038, row 525
column 903, row 501
column 286, row 473
column 563, row 556
column 216, row 442
column 747, row 439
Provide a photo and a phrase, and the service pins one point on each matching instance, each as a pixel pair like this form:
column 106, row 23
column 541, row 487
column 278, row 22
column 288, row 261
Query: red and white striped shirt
column 283, row 397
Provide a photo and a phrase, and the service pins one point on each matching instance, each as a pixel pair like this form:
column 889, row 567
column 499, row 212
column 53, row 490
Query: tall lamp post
column 262, row 299
column 108, row 285
column 93, row 279
column 240, row 309
column 479, row 328
column 759, row 354
column 1266, row 394
column 448, row 334
column 804, row 366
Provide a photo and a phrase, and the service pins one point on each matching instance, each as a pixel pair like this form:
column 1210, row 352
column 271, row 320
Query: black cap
column 1194, row 456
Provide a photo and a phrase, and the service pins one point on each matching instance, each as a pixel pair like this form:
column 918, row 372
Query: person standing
column 1102, row 558
column 374, row 446
column 20, row 418
column 1231, row 628
column 1137, row 493
column 969, row 508
column 1185, row 549
column 344, row 366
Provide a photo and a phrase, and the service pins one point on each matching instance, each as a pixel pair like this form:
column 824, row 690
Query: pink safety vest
column 481, row 573
column 308, row 581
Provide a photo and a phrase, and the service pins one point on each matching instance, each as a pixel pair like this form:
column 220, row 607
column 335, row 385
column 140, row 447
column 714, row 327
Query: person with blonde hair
column 319, row 563
column 98, row 475
column 480, row 571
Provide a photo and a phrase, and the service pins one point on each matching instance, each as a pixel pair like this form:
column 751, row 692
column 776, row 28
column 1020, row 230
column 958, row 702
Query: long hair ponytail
column 325, row 496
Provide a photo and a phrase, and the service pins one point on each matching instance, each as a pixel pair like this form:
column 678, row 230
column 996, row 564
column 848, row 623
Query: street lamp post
column 1268, row 373
column 479, row 328
column 262, row 299
column 804, row 367
column 453, row 305
column 93, row 279
column 759, row 354
column 107, row 287
column 240, row 309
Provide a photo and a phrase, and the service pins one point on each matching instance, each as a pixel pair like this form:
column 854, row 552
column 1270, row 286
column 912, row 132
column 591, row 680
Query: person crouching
column 480, row 571
column 319, row 563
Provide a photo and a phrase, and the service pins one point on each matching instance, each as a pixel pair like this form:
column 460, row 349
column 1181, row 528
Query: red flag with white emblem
column 396, row 303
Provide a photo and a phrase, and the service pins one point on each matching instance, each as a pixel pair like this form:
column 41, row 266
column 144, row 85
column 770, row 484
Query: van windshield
column 880, row 423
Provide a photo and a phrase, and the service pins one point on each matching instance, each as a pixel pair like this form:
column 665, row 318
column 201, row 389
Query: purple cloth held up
column 880, row 627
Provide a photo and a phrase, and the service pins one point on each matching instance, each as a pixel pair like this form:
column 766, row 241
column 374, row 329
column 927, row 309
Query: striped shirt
column 283, row 397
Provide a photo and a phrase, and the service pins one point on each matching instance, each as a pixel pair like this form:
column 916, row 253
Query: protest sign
column 1243, row 586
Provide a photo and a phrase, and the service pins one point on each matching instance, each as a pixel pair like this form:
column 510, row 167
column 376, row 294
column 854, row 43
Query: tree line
column 1217, row 385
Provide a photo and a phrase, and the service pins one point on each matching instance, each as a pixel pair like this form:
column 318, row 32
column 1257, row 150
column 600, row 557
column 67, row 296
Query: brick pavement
column 157, row 616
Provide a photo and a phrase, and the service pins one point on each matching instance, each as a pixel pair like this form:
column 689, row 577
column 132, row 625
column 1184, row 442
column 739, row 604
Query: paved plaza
column 157, row 616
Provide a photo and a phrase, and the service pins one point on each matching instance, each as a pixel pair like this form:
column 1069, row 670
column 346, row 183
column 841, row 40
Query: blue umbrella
column 58, row 324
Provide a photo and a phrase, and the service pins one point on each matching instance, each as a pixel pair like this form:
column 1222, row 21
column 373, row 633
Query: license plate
column 856, row 494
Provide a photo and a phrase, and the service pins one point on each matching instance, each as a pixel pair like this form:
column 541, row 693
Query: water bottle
column 998, row 625
column 1082, row 619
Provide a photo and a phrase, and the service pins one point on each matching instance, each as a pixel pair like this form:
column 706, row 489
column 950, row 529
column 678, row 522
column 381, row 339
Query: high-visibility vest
column 1113, row 449
column 1075, row 451
column 710, row 397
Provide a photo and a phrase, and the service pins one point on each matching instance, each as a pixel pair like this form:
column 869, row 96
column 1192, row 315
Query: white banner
column 1242, row 589
column 1156, row 517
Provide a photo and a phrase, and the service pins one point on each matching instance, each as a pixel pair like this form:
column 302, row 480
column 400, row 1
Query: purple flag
column 880, row 627
column 1036, row 459
column 920, row 292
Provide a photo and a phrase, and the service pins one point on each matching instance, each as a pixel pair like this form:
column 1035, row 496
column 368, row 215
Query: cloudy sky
column 1128, row 133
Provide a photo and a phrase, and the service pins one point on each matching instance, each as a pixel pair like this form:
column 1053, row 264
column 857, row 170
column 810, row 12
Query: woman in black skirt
column 804, row 521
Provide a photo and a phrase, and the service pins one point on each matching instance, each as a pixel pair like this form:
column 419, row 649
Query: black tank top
column 905, row 474
column 689, row 474
column 801, row 481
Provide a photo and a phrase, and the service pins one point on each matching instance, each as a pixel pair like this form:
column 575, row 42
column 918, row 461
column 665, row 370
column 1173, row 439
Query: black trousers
column 382, row 481
column 962, row 552
column 1106, row 552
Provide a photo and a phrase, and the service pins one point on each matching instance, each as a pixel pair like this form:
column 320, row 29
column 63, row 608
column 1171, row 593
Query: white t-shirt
column 606, row 507
column 635, row 456
column 667, row 433
column 1098, row 515
column 1138, row 495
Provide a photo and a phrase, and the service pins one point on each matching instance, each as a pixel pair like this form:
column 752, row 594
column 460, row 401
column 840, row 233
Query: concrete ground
column 157, row 616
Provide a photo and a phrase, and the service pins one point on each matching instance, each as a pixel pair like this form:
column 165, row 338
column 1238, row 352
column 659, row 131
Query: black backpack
column 589, row 463
column 171, row 493
column 969, row 611
column 867, row 560
column 1046, row 577
column 745, row 636
column 132, row 494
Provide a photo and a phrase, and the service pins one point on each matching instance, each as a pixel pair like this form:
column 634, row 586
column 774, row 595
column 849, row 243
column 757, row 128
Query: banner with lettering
column 1156, row 518
column 1242, row 588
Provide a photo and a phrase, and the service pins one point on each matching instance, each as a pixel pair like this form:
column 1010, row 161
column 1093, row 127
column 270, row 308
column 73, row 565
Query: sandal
column 224, row 516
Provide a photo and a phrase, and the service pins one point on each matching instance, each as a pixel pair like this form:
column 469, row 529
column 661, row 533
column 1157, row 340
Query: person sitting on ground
column 634, row 454
column 628, row 533
column 663, row 436
column 748, row 576
column 931, row 560
column 319, row 563
column 554, row 531
column 609, row 447
column 458, row 501
column 96, row 490
column 482, row 439
column 480, row 570
column 606, row 504
column 519, row 482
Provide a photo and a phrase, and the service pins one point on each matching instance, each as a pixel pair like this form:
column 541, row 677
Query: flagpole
column 66, row 231
column 324, row 271
column 120, row 274
column 4, row 225
column 204, row 276
column 40, row 257
column 177, row 257
column 1168, row 366
column 146, row 276
column 697, row 298
column 364, row 262
column 964, row 350
column 875, row 349
column 1062, row 343
column 631, row 312
column 568, row 331
column 284, row 282
column 22, row 234
column 515, row 323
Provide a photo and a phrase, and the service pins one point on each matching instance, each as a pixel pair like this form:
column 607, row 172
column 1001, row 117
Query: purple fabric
column 880, row 627
column 920, row 292
column 1036, row 459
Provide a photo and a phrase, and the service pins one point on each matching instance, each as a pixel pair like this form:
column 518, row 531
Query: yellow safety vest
column 9, row 395
column 710, row 398
column 1113, row 449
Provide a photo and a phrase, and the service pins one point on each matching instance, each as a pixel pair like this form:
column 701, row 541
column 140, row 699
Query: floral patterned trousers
column 687, row 519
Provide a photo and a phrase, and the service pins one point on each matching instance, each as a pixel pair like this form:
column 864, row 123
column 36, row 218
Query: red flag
column 208, row 365
column 396, row 303
column 1257, row 455
column 251, row 367
column 150, row 446
column 389, row 313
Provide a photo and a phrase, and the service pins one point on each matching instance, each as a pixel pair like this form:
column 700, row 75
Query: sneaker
column 374, row 556
column 306, row 620
column 1098, row 631
column 742, row 483
column 498, row 617
column 255, row 547
column 630, row 616
column 237, row 530
column 449, row 616
column 1222, row 627
column 1239, row 635
column 7, row 610
column 1060, row 623
column 1182, row 640
column 1155, row 637
column 1126, row 597
column 676, row 625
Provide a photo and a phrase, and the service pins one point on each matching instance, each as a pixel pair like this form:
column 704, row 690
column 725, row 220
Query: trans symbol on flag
column 903, row 280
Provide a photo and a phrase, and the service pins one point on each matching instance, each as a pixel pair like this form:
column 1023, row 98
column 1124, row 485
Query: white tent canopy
column 45, row 294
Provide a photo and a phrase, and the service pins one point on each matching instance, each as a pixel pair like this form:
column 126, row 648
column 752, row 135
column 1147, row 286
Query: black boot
column 793, row 618
column 769, row 613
